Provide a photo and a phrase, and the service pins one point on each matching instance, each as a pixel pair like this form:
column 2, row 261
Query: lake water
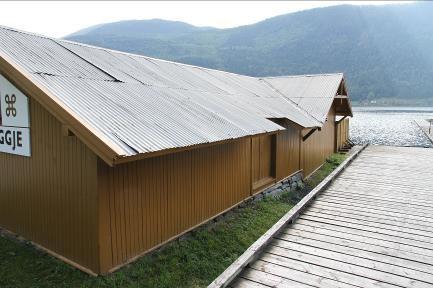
column 389, row 126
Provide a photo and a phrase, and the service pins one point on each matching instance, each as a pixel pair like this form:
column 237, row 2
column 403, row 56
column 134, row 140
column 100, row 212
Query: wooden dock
column 372, row 227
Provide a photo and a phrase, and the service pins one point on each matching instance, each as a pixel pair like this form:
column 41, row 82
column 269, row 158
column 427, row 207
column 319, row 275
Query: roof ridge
column 116, row 51
column 25, row 32
column 149, row 57
column 59, row 41
column 303, row 75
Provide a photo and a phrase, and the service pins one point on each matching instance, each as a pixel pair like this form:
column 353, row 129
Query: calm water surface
column 389, row 125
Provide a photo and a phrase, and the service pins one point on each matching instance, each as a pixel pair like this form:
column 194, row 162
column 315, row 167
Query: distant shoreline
column 393, row 106
column 389, row 102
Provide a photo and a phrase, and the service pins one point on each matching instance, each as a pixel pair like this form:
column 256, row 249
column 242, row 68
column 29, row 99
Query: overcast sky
column 58, row 19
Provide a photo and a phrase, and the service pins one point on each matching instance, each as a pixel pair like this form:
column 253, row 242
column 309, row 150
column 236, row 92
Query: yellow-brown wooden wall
column 263, row 149
column 148, row 202
column 73, row 204
column 288, row 150
column 51, row 197
column 342, row 133
column 319, row 146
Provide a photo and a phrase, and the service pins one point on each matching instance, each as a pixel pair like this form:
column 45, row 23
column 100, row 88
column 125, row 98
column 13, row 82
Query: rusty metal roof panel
column 312, row 93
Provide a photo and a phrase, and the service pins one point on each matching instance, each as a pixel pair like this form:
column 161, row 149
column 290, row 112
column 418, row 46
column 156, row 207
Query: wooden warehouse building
column 106, row 155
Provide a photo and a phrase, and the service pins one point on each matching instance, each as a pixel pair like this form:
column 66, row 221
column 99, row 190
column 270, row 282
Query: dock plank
column 380, row 254
column 345, row 264
column 373, row 222
column 318, row 269
column 371, row 227
column 373, row 235
column 273, row 280
column 288, row 269
column 364, row 242
column 384, row 219
column 419, row 220
column 355, row 256
column 377, row 209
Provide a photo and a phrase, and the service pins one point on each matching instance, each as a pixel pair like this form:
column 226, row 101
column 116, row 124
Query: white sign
column 14, row 120
column 14, row 105
column 15, row 140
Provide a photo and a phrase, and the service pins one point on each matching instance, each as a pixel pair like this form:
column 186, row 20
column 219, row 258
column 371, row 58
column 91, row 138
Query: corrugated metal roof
column 144, row 104
column 312, row 93
column 247, row 93
column 42, row 55
column 142, row 118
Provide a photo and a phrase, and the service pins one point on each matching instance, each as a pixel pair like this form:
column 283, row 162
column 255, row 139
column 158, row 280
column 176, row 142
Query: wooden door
column 263, row 161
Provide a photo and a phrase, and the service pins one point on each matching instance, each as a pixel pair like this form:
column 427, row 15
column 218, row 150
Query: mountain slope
column 385, row 51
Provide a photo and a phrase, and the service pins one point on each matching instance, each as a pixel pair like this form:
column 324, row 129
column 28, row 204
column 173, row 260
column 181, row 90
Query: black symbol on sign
column 11, row 110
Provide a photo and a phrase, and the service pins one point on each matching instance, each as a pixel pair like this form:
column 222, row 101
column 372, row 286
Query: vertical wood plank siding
column 151, row 201
column 342, row 133
column 288, row 150
column 67, row 200
column 319, row 146
column 263, row 156
column 51, row 197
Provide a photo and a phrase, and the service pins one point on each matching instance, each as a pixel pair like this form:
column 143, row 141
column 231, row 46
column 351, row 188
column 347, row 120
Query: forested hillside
column 386, row 52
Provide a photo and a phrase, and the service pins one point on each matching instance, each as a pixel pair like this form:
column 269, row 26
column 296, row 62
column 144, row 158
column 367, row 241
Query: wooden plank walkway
column 372, row 227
